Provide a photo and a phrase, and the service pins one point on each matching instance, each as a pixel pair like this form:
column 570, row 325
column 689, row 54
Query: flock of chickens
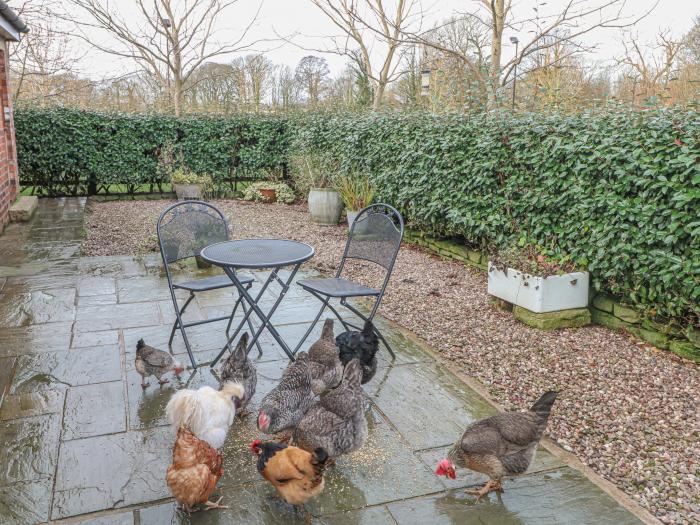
column 316, row 413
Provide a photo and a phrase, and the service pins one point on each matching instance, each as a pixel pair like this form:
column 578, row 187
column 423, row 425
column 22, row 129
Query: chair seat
column 211, row 283
column 337, row 287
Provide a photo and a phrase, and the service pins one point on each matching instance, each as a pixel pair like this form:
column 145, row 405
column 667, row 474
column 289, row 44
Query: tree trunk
column 378, row 96
column 497, row 21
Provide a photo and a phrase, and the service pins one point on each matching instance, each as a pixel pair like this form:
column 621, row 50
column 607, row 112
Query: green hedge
column 618, row 192
column 68, row 151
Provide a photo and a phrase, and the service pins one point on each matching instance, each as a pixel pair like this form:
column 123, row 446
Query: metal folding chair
column 375, row 237
column 183, row 230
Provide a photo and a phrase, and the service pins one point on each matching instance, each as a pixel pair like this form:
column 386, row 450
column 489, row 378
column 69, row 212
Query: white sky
column 309, row 24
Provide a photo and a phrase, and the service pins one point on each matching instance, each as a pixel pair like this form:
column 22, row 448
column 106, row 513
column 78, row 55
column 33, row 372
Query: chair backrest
column 375, row 236
column 186, row 227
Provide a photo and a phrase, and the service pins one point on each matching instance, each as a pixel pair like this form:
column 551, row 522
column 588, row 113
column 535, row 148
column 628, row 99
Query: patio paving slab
column 29, row 448
column 35, row 339
column 94, row 410
column 25, row 502
column 23, row 309
column 32, row 404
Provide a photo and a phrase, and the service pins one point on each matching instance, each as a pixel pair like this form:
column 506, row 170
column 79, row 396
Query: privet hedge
column 68, row 151
column 619, row 192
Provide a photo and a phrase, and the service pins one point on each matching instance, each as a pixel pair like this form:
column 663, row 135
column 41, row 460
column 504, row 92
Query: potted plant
column 529, row 279
column 189, row 185
column 269, row 191
column 356, row 192
column 314, row 171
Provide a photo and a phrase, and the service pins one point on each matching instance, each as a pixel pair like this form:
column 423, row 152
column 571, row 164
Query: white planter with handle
column 325, row 206
column 187, row 192
column 539, row 294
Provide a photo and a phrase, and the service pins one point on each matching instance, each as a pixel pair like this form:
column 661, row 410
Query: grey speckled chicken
column 239, row 369
column 361, row 345
column 500, row 446
column 153, row 362
column 337, row 422
column 284, row 406
column 326, row 368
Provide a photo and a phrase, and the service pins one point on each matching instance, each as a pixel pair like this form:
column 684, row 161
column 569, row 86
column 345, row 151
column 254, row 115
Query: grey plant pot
column 352, row 215
column 188, row 192
column 325, row 206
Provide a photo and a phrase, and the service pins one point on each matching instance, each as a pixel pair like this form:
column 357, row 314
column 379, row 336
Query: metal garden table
column 256, row 254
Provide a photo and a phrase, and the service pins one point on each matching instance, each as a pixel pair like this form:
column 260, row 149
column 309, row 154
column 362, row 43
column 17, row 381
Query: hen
column 501, row 445
column 153, row 362
column 337, row 421
column 326, row 368
column 208, row 413
column 296, row 474
column 239, row 369
column 194, row 472
column 360, row 345
column 284, row 406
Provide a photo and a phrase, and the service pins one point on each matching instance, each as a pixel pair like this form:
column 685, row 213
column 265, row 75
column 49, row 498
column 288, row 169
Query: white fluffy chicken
column 208, row 413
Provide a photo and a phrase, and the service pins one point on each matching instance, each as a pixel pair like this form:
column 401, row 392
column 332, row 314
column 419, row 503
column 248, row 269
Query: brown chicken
column 195, row 470
column 296, row 474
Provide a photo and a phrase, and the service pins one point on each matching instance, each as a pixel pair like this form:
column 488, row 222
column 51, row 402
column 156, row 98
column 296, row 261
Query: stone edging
column 605, row 310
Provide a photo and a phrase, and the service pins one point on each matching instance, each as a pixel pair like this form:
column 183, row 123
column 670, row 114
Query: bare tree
column 169, row 38
column 258, row 72
column 311, row 75
column 546, row 29
column 375, row 33
column 284, row 91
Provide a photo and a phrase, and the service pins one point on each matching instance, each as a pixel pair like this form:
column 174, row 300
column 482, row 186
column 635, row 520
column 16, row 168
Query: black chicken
column 360, row 345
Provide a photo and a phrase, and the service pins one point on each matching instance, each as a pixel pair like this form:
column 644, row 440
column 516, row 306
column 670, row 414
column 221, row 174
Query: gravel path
column 628, row 410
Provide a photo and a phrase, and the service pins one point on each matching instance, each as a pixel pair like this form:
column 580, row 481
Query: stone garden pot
column 352, row 215
column 188, row 192
column 325, row 206
column 550, row 293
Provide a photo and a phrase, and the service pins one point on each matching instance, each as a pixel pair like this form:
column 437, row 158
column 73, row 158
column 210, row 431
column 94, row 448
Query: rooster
column 498, row 446
column 296, row 474
column 326, row 368
column 153, row 362
column 360, row 345
column 208, row 413
column 239, row 369
column 194, row 472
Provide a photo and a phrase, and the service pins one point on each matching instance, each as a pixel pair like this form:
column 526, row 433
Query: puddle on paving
column 25, row 502
column 33, row 404
column 29, row 448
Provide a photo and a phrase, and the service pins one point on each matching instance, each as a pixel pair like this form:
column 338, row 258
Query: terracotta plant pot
column 268, row 196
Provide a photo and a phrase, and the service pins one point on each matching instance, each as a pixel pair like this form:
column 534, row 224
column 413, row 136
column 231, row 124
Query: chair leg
column 252, row 330
column 381, row 337
column 176, row 324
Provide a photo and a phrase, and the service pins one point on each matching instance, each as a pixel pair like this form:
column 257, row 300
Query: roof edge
column 8, row 14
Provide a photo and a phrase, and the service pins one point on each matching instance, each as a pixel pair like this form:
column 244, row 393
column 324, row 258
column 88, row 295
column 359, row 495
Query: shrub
column 355, row 190
column 284, row 192
column 311, row 170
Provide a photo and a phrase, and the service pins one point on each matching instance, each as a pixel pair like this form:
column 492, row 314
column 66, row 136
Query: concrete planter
column 325, row 206
column 539, row 294
column 352, row 215
column 188, row 192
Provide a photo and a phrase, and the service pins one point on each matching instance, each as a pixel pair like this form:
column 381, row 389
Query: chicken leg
column 214, row 504
column 490, row 486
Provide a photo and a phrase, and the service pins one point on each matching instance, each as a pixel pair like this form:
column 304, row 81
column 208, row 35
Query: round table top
column 257, row 253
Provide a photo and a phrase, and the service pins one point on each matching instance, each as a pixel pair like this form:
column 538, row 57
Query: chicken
column 153, row 362
column 326, row 368
column 501, row 445
column 239, row 369
column 194, row 472
column 296, row 474
column 284, row 406
column 208, row 413
column 337, row 421
column 361, row 345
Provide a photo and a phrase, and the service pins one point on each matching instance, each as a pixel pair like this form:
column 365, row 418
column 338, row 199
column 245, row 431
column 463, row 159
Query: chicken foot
column 214, row 504
column 490, row 486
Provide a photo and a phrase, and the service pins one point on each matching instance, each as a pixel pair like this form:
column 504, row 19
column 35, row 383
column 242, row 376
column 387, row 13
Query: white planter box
column 539, row 294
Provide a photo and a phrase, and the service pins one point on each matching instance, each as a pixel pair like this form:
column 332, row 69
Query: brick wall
column 9, row 179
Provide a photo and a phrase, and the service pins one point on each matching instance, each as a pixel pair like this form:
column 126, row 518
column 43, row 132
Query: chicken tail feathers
column 141, row 343
column 367, row 329
column 327, row 332
column 319, row 460
column 543, row 406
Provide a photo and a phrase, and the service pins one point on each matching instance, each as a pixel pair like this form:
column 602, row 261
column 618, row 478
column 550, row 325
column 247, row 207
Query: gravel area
column 626, row 409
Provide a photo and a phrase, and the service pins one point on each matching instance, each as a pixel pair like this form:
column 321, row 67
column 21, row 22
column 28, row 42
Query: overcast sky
column 309, row 25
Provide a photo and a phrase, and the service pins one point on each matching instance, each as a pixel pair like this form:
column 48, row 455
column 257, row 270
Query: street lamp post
column 514, row 40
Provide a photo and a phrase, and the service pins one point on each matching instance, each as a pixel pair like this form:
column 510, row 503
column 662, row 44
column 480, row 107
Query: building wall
column 9, row 177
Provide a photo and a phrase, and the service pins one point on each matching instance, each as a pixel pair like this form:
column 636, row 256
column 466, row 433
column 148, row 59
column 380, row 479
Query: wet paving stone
column 192, row 313
column 560, row 496
column 441, row 406
column 97, row 300
column 112, row 471
column 94, row 410
column 94, row 318
column 369, row 516
column 60, row 370
column 92, row 339
column 96, row 285
column 35, row 339
column 141, row 289
column 25, row 502
column 7, row 368
column 29, row 448
column 52, row 279
column 22, row 309
column 117, row 266
column 122, row 518
column 33, row 404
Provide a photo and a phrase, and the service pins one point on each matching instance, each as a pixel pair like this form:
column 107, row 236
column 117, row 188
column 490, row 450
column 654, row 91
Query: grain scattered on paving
column 629, row 411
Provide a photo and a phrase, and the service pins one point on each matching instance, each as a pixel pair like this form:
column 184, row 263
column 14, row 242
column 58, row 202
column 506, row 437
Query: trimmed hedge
column 618, row 192
column 69, row 151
